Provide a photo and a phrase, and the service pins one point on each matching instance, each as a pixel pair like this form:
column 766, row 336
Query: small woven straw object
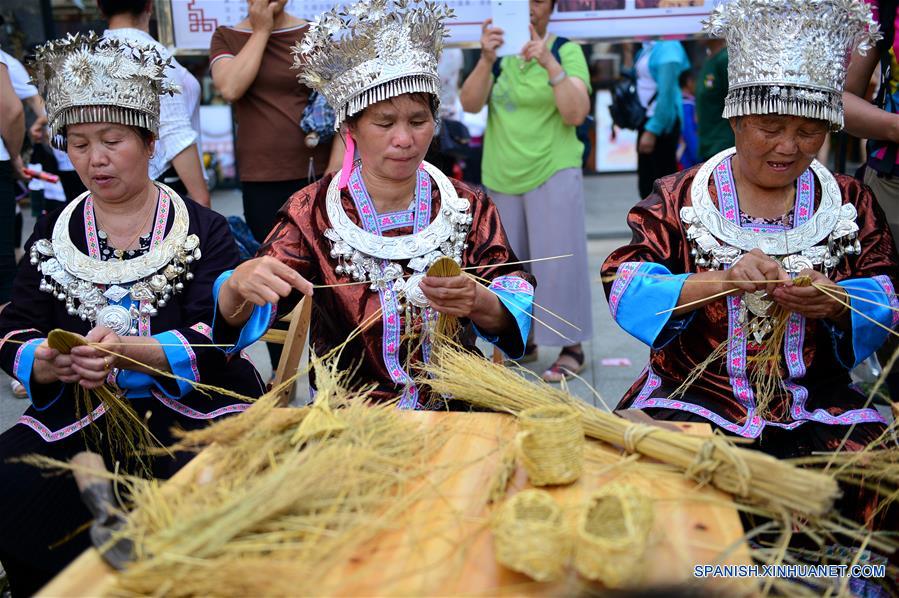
column 612, row 533
column 551, row 444
column 530, row 537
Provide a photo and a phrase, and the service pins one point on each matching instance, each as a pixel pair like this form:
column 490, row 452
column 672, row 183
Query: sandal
column 558, row 372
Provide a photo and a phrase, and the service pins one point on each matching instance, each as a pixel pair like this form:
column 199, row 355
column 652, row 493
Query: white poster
column 193, row 21
column 616, row 149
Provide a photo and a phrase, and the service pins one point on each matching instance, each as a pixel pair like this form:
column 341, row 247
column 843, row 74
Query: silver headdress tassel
column 85, row 78
column 790, row 56
column 371, row 51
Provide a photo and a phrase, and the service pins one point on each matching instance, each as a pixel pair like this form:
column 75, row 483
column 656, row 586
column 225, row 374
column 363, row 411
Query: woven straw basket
column 612, row 534
column 551, row 444
column 530, row 536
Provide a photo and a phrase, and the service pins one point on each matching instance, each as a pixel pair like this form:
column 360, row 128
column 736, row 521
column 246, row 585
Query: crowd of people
column 735, row 223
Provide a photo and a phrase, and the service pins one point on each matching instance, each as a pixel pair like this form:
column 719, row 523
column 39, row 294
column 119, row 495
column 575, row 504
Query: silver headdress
column 790, row 56
column 92, row 79
column 371, row 51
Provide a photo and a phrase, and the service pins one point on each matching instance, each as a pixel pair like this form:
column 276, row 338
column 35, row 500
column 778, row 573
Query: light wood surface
column 443, row 546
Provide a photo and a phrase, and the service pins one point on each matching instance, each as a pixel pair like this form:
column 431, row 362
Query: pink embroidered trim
column 186, row 411
column 90, row 228
column 21, row 349
column 887, row 284
column 51, row 436
column 162, row 218
column 190, row 354
column 626, row 272
column 203, row 328
column 514, row 284
column 15, row 332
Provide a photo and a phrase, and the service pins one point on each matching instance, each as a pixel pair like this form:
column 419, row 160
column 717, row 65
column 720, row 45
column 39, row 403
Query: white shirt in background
column 179, row 115
column 646, row 85
column 21, row 80
column 449, row 68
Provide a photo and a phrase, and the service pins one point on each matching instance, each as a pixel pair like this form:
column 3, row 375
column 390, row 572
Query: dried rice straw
column 530, row 536
column 749, row 474
column 551, row 444
column 125, row 432
column 612, row 535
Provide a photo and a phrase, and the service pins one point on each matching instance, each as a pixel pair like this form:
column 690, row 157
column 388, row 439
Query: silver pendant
column 116, row 318
column 758, row 304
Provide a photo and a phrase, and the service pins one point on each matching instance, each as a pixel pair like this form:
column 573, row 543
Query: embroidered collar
column 359, row 251
column 117, row 293
column 820, row 236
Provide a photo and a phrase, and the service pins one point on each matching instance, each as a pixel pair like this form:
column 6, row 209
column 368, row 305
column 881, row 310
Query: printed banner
column 193, row 21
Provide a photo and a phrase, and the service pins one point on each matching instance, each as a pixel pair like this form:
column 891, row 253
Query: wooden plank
column 294, row 347
column 443, row 544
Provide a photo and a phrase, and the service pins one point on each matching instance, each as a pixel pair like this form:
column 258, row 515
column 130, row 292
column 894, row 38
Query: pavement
column 608, row 199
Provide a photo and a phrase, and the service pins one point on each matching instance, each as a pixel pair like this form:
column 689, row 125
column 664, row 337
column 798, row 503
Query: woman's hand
column 752, row 269
column 262, row 15
column 811, row 302
column 647, row 143
column 91, row 363
column 537, row 49
column 491, row 40
column 265, row 280
column 52, row 366
column 452, row 295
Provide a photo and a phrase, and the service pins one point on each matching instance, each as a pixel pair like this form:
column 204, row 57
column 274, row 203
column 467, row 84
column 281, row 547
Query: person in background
column 177, row 161
column 715, row 133
column 659, row 65
column 688, row 148
column 251, row 65
column 251, row 68
column 532, row 168
column 12, row 133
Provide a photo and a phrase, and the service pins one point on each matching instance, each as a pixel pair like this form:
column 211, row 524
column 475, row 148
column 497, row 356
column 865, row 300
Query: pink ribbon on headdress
column 348, row 156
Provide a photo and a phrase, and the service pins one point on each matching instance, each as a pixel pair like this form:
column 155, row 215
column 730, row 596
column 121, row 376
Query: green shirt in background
column 526, row 141
column 715, row 133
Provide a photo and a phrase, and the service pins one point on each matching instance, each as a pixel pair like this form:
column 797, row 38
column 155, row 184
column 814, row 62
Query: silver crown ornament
column 85, row 78
column 371, row 51
column 790, row 56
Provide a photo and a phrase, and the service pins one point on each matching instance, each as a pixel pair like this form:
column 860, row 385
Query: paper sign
column 514, row 18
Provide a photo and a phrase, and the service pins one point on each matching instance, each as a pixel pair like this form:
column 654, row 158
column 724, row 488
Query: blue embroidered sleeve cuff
column 877, row 308
column 517, row 296
column 640, row 292
column 182, row 363
column 260, row 321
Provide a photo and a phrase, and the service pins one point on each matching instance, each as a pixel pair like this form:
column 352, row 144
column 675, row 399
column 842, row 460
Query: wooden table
column 445, row 547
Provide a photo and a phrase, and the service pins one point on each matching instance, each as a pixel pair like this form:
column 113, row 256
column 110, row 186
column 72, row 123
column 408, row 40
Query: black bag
column 626, row 110
column 453, row 139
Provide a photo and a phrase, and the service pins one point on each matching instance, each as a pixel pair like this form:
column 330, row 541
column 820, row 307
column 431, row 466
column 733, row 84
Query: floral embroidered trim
column 887, row 284
column 186, row 411
column 51, row 436
column 625, row 274
column 15, row 332
column 736, row 356
column 391, row 339
column 163, row 202
column 513, row 284
column 192, row 357
column 203, row 328
column 90, row 228
column 21, row 349
column 394, row 220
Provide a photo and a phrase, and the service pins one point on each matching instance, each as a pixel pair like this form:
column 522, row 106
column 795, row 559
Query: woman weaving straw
column 366, row 237
column 762, row 257
column 130, row 266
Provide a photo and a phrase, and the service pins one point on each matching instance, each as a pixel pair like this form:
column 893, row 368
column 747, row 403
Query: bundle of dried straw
column 748, row 474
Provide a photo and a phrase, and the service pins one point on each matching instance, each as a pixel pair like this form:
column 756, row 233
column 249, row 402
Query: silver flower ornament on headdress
column 85, row 78
column 371, row 51
column 791, row 56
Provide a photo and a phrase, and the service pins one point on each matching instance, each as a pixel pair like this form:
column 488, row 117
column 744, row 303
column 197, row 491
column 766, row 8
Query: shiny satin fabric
column 658, row 236
column 298, row 240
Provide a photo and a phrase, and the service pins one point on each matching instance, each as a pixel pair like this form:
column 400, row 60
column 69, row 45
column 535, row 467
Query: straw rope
column 551, row 444
column 530, row 536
